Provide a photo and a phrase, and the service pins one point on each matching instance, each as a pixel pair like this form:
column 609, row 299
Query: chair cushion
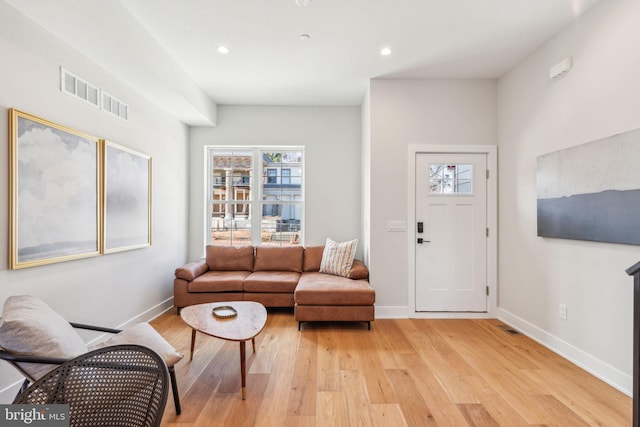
column 230, row 258
column 29, row 326
column 337, row 258
column 288, row 258
column 144, row 334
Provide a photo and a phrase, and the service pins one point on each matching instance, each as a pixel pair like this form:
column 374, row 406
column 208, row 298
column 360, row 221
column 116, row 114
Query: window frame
column 257, row 182
column 272, row 176
column 457, row 183
column 285, row 177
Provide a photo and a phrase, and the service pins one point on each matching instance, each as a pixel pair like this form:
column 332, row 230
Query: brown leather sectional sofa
column 277, row 277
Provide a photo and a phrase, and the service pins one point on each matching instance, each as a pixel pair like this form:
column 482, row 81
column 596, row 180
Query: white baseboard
column 392, row 312
column 602, row 370
column 150, row 314
column 402, row 312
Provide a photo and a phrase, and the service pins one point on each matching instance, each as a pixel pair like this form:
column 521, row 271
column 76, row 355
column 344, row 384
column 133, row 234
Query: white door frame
column 492, row 223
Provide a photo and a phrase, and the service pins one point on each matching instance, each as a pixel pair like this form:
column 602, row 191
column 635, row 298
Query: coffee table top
column 250, row 320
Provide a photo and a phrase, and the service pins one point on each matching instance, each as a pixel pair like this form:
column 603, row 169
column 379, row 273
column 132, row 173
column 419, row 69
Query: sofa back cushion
column 230, row 258
column 312, row 258
column 270, row 258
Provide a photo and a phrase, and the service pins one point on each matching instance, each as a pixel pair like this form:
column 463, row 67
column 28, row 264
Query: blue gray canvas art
column 591, row 191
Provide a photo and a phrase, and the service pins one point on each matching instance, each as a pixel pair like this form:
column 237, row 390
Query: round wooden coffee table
column 245, row 325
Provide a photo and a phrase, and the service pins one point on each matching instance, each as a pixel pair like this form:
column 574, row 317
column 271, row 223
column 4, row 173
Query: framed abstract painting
column 54, row 187
column 127, row 198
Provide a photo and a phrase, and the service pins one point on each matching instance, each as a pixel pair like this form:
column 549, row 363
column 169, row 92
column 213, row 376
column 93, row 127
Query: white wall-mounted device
column 560, row 69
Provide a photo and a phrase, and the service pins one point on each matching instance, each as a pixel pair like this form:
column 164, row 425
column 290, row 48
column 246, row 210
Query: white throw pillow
column 337, row 258
column 29, row 326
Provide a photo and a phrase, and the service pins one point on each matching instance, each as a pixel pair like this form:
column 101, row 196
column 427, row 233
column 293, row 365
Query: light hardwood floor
column 403, row 372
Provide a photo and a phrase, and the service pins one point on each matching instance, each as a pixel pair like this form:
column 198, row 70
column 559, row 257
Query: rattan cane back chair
column 122, row 385
column 34, row 339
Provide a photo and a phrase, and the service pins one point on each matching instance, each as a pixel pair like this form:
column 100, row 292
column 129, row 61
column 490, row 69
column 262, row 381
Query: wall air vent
column 74, row 85
column 80, row 88
column 114, row 106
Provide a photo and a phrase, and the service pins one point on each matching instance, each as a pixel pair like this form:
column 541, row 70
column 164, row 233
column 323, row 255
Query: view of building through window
column 450, row 179
column 255, row 196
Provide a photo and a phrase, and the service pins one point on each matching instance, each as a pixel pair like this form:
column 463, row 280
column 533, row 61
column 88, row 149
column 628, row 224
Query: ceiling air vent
column 74, row 85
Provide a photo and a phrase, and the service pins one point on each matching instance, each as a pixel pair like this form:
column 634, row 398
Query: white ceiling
column 170, row 45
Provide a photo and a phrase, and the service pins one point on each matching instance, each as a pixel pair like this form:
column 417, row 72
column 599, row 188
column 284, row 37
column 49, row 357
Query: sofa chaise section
column 325, row 297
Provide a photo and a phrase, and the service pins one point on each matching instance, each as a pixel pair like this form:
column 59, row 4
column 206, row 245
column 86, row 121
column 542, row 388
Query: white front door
column 451, row 232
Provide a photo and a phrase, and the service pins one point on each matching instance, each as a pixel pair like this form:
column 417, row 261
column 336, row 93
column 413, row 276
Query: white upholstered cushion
column 29, row 326
column 144, row 334
column 337, row 258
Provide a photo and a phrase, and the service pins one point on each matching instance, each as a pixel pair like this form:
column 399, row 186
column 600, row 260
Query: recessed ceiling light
column 303, row 3
column 223, row 49
column 385, row 51
column 304, row 37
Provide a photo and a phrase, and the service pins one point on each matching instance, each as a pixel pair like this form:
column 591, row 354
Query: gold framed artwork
column 73, row 195
column 127, row 198
column 54, row 187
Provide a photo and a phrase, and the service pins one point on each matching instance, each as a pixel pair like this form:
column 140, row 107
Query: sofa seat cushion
column 271, row 281
column 218, row 281
column 326, row 289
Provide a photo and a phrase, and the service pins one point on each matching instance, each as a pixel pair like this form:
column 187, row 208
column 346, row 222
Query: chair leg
column 24, row 386
column 174, row 388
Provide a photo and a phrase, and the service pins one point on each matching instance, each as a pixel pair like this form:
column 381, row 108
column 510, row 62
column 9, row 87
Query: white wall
column 110, row 289
column 331, row 137
column 599, row 97
column 403, row 112
column 366, row 176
